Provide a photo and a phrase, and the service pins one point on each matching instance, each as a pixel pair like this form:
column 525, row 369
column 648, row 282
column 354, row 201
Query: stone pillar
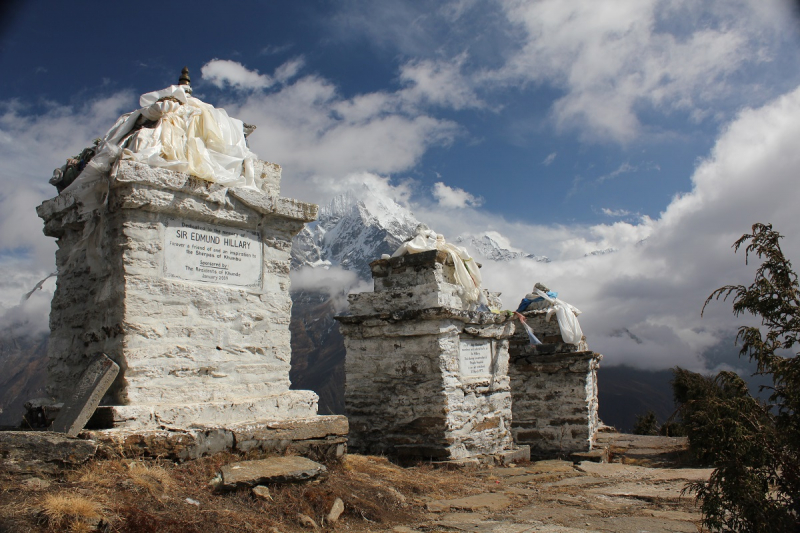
column 425, row 378
column 554, row 390
column 185, row 285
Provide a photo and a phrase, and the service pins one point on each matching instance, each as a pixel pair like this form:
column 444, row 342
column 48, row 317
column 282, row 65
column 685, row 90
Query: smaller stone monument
column 553, row 384
column 427, row 373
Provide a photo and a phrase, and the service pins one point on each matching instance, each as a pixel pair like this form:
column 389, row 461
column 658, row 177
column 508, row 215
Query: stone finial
column 185, row 80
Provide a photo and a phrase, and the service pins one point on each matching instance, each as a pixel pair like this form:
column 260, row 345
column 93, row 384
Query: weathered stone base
column 555, row 402
column 289, row 405
column 504, row 458
column 322, row 438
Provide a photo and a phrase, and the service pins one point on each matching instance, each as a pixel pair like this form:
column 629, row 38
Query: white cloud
column 453, row 197
column 655, row 284
column 318, row 136
column 612, row 59
column 289, row 70
column 549, row 159
column 620, row 66
column 222, row 72
column 334, row 281
column 615, row 212
column 440, row 83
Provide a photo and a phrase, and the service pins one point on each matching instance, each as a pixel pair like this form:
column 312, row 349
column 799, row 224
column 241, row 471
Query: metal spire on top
column 185, row 80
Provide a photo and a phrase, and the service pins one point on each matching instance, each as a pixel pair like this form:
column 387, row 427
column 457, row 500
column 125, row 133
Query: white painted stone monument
column 173, row 259
column 426, row 376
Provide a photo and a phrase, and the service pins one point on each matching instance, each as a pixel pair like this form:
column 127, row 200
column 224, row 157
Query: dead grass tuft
column 155, row 479
column 70, row 512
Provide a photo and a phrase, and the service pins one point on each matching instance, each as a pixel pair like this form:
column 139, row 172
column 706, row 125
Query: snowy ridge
column 352, row 232
column 493, row 246
column 356, row 228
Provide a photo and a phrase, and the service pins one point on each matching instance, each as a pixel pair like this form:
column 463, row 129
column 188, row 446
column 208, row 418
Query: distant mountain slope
column 353, row 231
column 489, row 245
column 23, row 360
column 625, row 392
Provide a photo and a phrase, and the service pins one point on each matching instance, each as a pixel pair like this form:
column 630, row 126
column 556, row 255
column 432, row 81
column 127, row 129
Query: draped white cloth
column 189, row 136
column 467, row 273
column 567, row 316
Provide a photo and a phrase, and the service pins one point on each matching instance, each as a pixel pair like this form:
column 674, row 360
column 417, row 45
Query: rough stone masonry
column 426, row 378
column 185, row 285
column 554, row 390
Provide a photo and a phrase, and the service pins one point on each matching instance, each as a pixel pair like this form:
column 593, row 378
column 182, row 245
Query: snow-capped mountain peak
column 493, row 246
column 354, row 229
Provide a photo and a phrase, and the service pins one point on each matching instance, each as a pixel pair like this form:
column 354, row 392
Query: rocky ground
column 641, row 492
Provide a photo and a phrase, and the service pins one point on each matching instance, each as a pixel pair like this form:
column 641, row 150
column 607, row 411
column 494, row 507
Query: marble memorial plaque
column 212, row 253
column 475, row 357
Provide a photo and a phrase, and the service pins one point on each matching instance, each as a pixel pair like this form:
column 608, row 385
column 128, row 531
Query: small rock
column 336, row 511
column 397, row 495
column 402, row 529
column 307, row 522
column 192, row 502
column 273, row 470
column 36, row 483
column 260, row 491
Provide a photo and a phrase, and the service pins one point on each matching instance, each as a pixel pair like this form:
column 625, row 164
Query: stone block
column 248, row 474
column 90, row 389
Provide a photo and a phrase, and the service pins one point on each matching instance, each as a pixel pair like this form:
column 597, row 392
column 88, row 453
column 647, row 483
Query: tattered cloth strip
column 531, row 337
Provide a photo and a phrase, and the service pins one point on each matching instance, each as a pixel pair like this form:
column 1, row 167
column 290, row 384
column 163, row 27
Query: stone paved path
column 562, row 497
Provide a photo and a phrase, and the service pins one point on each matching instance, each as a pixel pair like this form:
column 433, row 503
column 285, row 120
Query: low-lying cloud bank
column 642, row 303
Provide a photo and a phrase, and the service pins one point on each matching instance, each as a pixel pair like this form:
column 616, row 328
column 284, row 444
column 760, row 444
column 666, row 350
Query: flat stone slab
column 644, row 491
column 29, row 451
column 490, row 501
column 617, row 470
column 322, row 437
column 550, row 466
column 94, row 382
column 247, row 474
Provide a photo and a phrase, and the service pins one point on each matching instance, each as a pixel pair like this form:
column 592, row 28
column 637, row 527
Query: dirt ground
column 145, row 495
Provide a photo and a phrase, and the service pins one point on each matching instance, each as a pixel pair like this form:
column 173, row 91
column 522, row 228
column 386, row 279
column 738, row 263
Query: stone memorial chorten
column 553, row 383
column 427, row 363
column 173, row 260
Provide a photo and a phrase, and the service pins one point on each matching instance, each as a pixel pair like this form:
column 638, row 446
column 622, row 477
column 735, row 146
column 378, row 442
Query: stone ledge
column 131, row 175
column 431, row 313
column 560, row 359
column 323, row 437
column 504, row 458
column 289, row 404
column 33, row 451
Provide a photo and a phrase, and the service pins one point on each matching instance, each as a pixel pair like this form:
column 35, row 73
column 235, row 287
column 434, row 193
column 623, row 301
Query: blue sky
column 567, row 127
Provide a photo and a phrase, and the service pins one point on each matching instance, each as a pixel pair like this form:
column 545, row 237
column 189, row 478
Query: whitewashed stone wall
column 554, row 390
column 191, row 352
column 407, row 393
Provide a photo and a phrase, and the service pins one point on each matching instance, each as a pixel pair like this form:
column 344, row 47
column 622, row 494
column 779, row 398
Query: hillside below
column 141, row 495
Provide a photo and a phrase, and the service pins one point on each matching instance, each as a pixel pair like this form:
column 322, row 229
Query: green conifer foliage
column 753, row 446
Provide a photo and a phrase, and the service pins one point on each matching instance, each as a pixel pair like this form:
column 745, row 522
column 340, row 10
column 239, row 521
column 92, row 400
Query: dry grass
column 70, row 512
column 154, row 496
